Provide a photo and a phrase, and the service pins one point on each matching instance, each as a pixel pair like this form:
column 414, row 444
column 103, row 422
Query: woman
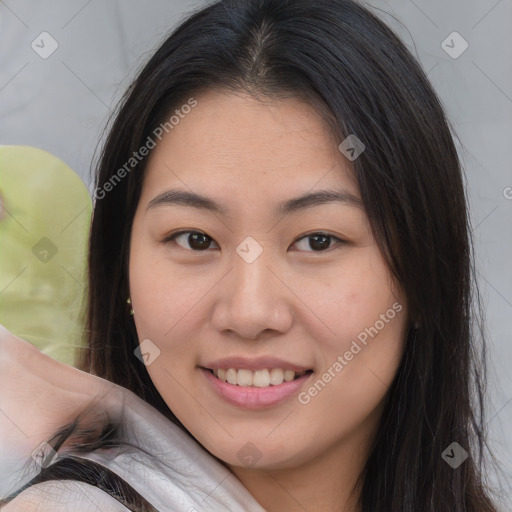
column 280, row 265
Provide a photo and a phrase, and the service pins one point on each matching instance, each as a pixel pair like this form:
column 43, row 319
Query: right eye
column 196, row 240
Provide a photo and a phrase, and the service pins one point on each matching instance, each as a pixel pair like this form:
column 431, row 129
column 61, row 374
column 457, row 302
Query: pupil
column 315, row 245
column 193, row 241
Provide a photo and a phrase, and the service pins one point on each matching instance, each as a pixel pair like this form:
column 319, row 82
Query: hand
column 39, row 395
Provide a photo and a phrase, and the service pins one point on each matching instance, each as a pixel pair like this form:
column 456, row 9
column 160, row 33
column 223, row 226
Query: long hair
column 355, row 71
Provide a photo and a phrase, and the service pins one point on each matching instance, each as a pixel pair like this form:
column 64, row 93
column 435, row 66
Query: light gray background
column 61, row 104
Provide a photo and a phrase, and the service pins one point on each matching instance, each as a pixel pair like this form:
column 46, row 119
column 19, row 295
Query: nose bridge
column 252, row 278
column 251, row 272
column 254, row 299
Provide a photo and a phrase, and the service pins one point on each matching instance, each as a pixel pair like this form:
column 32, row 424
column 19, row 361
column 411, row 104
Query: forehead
column 232, row 146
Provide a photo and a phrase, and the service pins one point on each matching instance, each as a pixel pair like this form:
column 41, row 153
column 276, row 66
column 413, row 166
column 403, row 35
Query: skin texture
column 292, row 302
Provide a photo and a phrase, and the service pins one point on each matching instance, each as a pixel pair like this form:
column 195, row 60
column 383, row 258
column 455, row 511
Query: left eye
column 198, row 241
column 319, row 242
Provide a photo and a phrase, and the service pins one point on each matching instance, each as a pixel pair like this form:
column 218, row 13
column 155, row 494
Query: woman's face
column 244, row 300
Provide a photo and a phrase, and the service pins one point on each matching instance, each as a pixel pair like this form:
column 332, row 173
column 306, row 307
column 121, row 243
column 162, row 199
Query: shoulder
column 64, row 496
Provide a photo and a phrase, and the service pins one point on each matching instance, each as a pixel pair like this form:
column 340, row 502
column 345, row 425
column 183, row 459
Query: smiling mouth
column 263, row 378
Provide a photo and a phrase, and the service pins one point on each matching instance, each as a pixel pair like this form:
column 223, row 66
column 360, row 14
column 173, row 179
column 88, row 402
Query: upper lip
column 258, row 363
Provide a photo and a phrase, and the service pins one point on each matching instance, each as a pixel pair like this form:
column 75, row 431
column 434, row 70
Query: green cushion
column 44, row 228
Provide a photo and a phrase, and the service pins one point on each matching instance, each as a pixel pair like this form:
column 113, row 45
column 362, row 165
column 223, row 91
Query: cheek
column 361, row 360
column 162, row 296
column 163, row 302
column 358, row 363
column 355, row 301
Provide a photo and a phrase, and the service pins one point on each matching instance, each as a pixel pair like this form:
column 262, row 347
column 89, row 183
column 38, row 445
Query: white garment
column 179, row 475
column 64, row 496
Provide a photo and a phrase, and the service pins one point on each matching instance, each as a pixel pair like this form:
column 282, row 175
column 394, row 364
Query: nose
column 253, row 301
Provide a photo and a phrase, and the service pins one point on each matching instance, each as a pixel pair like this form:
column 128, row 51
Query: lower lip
column 253, row 397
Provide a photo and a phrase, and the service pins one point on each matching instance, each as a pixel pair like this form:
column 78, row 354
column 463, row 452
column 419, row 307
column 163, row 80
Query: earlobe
column 129, row 301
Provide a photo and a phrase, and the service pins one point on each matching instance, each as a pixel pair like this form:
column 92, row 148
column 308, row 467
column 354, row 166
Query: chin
column 259, row 455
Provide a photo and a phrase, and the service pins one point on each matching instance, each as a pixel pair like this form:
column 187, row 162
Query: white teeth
column 276, row 376
column 289, row 375
column 259, row 378
column 244, row 378
column 231, row 375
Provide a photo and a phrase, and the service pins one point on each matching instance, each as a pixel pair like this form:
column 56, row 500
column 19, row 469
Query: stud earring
column 129, row 301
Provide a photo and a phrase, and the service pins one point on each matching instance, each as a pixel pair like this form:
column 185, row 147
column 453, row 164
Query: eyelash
column 340, row 241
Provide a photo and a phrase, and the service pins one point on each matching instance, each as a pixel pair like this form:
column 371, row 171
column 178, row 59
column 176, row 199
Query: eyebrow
column 308, row 200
